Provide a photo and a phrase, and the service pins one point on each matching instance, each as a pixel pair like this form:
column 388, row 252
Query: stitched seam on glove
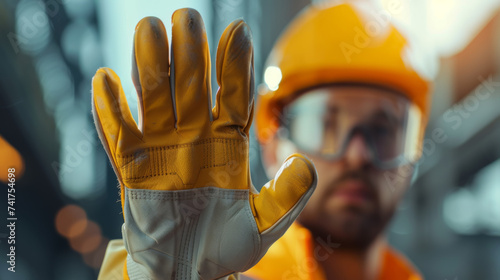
column 210, row 192
column 214, row 152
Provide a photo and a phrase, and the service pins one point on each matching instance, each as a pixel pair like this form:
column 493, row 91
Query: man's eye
column 330, row 125
column 329, row 119
column 383, row 129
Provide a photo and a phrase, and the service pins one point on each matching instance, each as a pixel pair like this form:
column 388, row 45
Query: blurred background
column 67, row 201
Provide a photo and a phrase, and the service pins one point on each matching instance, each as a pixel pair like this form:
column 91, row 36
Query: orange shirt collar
column 294, row 256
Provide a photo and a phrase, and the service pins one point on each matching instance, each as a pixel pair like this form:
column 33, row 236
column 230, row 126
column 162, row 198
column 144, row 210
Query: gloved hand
column 189, row 206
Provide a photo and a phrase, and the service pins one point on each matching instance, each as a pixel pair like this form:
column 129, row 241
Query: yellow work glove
column 188, row 202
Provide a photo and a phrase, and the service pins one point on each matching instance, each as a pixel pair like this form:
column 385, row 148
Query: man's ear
column 269, row 157
column 274, row 153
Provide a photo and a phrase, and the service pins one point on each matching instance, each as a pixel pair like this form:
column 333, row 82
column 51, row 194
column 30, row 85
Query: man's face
column 354, row 198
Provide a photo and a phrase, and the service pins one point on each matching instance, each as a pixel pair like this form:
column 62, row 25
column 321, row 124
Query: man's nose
column 358, row 153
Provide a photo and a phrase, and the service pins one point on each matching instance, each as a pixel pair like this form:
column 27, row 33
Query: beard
column 352, row 225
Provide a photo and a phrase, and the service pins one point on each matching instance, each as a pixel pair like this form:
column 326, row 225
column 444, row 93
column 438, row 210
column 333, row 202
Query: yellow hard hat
column 342, row 43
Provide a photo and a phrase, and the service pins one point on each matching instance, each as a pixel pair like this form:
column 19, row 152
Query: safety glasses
column 323, row 121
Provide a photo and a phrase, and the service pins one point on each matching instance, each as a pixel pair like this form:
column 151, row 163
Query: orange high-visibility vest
column 292, row 258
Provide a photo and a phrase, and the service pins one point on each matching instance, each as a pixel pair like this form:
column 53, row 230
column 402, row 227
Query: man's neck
column 354, row 264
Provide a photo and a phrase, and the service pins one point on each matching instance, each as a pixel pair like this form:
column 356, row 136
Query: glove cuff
column 189, row 233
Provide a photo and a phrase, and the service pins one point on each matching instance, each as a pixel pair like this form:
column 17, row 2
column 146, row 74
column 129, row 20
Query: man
column 348, row 99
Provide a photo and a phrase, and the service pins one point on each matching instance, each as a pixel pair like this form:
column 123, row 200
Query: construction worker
column 341, row 88
column 347, row 99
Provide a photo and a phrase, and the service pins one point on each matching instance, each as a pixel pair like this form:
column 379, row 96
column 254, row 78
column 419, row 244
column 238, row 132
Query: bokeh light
column 88, row 240
column 71, row 221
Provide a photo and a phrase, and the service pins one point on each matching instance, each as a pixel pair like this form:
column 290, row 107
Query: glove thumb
column 282, row 199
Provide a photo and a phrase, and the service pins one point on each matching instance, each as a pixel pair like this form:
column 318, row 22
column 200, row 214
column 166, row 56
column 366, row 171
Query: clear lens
column 323, row 121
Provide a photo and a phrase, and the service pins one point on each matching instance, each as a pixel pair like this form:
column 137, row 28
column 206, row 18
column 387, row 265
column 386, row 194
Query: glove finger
column 235, row 77
column 114, row 123
column 282, row 199
column 151, row 79
column 191, row 71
